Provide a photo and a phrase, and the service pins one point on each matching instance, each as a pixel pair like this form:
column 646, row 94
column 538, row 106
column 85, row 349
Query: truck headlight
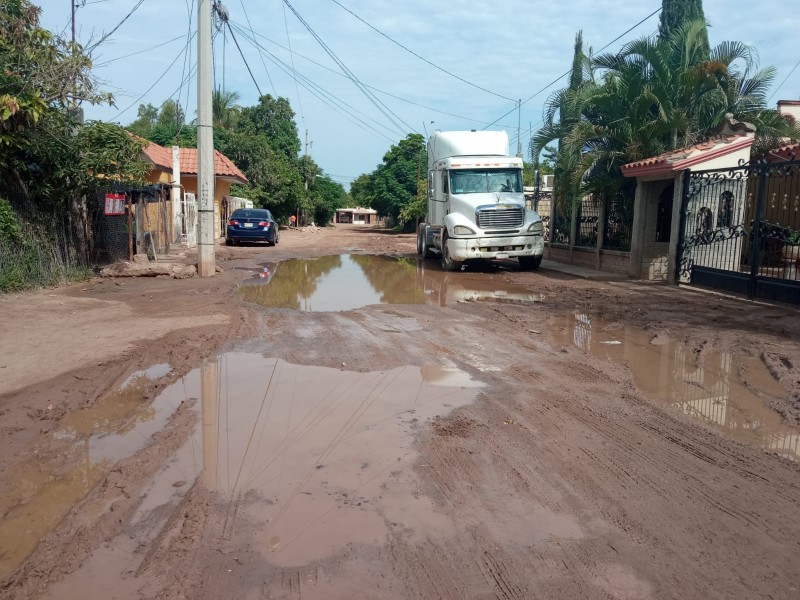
column 462, row 230
column 536, row 228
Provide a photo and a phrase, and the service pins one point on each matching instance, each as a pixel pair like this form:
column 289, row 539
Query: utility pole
column 73, row 22
column 519, row 125
column 205, row 144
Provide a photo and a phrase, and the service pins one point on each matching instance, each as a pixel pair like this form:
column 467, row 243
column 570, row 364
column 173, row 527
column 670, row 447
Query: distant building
column 356, row 216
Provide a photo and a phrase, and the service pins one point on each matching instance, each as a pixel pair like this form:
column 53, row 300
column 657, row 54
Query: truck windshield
column 472, row 181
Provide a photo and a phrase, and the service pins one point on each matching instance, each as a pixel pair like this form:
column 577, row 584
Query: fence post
column 755, row 258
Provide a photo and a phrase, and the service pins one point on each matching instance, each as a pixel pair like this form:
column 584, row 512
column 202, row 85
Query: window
column 725, row 209
column 664, row 214
column 474, row 181
column 445, row 184
column 703, row 222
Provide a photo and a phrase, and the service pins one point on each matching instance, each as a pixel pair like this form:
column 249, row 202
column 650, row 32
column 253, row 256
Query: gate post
column 755, row 255
column 682, row 206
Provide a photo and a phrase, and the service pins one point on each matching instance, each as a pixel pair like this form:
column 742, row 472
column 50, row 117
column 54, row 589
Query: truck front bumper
column 490, row 248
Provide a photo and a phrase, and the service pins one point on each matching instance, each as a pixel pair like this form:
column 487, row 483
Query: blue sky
column 511, row 49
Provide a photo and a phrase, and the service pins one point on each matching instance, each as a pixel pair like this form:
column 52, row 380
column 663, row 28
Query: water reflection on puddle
column 723, row 390
column 37, row 494
column 311, row 458
column 314, row 458
column 347, row 282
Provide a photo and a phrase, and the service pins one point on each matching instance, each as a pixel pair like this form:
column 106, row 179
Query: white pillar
column 175, row 195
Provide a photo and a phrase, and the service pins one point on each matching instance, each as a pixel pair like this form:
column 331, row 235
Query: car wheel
column 228, row 242
column 530, row 263
column 448, row 264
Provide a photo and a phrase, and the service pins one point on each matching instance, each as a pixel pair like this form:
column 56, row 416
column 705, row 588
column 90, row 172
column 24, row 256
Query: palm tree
column 224, row 108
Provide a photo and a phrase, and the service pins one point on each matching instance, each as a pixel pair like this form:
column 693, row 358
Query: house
column 659, row 192
column 174, row 222
column 357, row 216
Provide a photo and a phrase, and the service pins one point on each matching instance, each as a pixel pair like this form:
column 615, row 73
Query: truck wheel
column 530, row 263
column 422, row 242
column 448, row 264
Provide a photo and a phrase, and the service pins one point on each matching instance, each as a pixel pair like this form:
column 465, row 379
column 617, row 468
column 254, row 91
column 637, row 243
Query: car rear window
column 251, row 213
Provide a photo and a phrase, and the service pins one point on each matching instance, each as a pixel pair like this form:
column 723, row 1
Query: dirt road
column 361, row 425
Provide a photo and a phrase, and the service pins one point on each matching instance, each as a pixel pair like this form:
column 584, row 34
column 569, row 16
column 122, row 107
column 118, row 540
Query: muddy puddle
column 350, row 281
column 303, row 460
column 725, row 390
column 37, row 494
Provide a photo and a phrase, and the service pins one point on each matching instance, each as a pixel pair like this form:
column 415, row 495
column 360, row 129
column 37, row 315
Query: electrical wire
column 317, row 91
column 155, row 83
column 785, row 79
column 422, row 58
column 252, row 32
column 556, row 80
column 291, row 59
column 246, row 16
column 105, row 36
column 235, row 41
column 387, row 112
column 111, row 60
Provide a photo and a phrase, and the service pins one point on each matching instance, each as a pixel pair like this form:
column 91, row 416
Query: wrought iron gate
column 740, row 230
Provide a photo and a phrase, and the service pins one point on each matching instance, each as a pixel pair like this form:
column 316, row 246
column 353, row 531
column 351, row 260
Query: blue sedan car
column 251, row 225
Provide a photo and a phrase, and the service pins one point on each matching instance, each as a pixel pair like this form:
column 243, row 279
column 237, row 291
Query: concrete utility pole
column 205, row 144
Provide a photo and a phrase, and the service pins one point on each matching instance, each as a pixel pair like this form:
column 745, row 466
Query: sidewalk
column 581, row 272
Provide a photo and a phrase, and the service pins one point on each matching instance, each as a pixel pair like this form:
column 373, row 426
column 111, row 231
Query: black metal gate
column 740, row 230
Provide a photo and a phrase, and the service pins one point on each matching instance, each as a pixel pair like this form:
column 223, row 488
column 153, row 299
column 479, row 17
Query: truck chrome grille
column 504, row 218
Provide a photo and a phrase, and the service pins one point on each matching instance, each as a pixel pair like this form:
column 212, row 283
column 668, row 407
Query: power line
column 155, row 83
column 323, row 95
column 111, row 60
column 291, row 59
column 422, row 58
column 117, row 26
column 235, row 41
column 340, row 74
column 568, row 72
column 387, row 112
column 785, row 79
column 246, row 16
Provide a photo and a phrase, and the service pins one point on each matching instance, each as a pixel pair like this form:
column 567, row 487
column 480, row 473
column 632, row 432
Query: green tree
column 677, row 13
column 40, row 71
column 326, row 196
column 394, row 184
column 274, row 118
column 224, row 108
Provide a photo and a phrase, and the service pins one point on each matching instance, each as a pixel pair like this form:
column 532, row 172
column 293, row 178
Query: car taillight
column 263, row 223
column 233, row 222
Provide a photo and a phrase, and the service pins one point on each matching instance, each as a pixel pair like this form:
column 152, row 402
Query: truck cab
column 476, row 204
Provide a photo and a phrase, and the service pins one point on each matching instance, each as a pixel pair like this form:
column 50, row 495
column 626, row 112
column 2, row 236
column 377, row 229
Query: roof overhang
column 674, row 164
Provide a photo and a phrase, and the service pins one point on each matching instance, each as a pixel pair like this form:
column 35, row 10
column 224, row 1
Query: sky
column 463, row 66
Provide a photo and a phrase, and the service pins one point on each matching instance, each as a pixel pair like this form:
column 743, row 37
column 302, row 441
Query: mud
column 500, row 434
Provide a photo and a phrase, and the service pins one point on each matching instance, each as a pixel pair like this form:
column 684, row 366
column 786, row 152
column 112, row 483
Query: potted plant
column 791, row 249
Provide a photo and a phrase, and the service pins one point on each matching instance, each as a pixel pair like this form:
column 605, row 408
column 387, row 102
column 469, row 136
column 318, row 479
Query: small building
column 658, row 201
column 163, row 172
column 356, row 216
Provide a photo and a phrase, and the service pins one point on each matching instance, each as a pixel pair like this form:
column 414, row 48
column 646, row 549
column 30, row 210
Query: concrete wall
column 612, row 261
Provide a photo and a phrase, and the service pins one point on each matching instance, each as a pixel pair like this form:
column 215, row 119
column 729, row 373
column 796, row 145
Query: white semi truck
column 476, row 207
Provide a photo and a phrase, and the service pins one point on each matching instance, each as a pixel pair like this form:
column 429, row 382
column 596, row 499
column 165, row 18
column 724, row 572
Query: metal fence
column 740, row 230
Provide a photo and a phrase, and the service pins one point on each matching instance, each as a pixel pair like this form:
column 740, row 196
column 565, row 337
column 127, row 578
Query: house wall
column 612, row 261
column 221, row 188
column 649, row 258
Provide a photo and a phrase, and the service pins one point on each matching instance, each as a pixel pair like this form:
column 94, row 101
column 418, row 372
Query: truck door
column 438, row 202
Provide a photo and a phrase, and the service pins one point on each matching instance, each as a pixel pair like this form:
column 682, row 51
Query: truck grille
column 505, row 218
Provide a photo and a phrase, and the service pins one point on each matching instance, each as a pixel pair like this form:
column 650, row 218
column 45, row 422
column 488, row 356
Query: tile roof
column 683, row 158
column 161, row 157
column 790, row 152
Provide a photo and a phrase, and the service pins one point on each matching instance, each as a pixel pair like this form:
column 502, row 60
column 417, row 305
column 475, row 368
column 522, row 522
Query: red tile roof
column 683, row 158
column 161, row 157
column 790, row 152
